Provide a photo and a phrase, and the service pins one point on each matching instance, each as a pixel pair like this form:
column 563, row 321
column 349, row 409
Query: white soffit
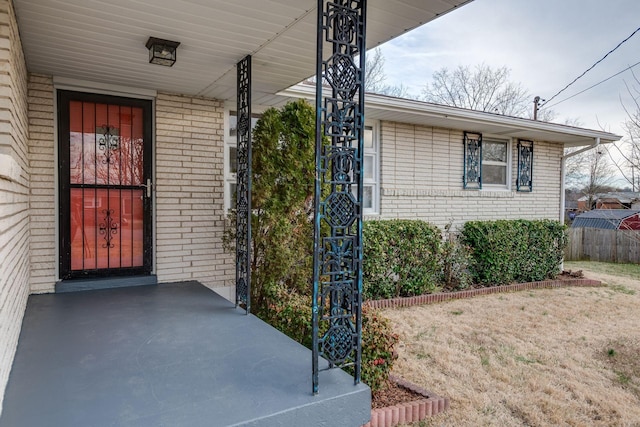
column 104, row 40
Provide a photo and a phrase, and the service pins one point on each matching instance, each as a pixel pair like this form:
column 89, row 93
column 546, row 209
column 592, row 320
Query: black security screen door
column 105, row 185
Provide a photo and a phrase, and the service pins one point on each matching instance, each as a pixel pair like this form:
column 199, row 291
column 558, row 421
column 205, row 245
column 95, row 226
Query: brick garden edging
column 449, row 296
column 408, row 412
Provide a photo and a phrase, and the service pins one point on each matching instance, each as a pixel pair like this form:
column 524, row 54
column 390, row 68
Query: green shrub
column 400, row 258
column 455, row 262
column 282, row 237
column 283, row 186
column 290, row 313
column 378, row 349
column 514, row 251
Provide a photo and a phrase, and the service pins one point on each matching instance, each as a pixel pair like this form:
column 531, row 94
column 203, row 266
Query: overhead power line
column 590, row 68
column 592, row 86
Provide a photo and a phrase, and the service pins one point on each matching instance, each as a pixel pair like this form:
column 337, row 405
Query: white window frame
column 230, row 142
column 492, row 187
column 374, row 181
column 230, row 178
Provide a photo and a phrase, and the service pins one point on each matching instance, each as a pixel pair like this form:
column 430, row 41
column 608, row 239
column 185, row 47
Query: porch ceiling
column 104, row 41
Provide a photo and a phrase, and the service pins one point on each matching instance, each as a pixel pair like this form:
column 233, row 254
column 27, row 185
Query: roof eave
column 416, row 111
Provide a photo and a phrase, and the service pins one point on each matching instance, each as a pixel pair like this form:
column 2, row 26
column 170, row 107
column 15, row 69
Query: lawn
column 535, row 358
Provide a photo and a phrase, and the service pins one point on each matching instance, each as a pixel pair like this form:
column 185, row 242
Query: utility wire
column 590, row 68
column 592, row 86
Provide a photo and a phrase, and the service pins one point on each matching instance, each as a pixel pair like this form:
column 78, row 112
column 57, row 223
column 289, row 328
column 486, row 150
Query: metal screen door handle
column 148, row 187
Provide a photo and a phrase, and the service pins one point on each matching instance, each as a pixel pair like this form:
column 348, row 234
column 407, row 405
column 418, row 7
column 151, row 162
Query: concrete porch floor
column 166, row 355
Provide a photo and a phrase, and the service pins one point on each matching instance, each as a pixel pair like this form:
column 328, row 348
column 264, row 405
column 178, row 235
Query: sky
column 545, row 44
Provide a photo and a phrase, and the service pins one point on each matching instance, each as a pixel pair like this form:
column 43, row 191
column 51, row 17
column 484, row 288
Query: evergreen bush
column 508, row 251
column 400, row 258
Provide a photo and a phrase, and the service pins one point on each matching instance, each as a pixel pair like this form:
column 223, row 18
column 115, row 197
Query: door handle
column 148, row 187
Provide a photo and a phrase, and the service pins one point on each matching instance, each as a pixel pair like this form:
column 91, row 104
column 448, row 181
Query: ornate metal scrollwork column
column 243, row 200
column 337, row 274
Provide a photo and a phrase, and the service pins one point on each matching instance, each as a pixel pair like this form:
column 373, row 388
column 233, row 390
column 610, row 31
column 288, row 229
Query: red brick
column 402, row 419
column 395, row 415
column 415, row 409
column 408, row 413
column 374, row 418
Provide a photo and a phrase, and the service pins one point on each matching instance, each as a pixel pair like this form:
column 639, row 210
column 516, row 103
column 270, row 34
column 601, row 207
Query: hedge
column 508, row 251
column 400, row 258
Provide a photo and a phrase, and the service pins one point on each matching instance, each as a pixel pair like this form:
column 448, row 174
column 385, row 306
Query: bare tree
column 626, row 153
column 482, row 88
column 375, row 77
column 590, row 173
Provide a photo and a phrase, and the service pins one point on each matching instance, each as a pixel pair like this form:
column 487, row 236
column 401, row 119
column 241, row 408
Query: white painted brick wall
column 42, row 208
column 14, row 205
column 189, row 191
column 421, row 177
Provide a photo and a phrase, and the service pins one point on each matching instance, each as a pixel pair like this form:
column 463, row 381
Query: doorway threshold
column 77, row 285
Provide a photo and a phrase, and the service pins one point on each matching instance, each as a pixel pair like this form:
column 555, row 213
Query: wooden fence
column 596, row 244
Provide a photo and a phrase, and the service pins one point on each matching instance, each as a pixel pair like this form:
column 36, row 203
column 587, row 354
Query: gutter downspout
column 563, row 175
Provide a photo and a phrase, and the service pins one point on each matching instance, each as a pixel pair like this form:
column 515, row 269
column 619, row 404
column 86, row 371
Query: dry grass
column 567, row 357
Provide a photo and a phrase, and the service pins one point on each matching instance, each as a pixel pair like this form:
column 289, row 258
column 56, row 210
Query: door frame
column 63, row 242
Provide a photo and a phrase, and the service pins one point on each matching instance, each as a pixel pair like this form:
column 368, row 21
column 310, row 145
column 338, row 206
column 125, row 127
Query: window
column 486, row 162
column 370, row 168
column 370, row 171
column 230, row 156
column 495, row 163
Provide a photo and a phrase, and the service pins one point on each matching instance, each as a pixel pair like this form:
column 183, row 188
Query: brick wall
column 189, row 192
column 421, row 177
column 14, row 189
column 42, row 207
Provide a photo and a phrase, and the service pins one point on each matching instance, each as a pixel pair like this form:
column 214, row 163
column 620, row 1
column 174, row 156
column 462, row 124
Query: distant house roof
column 603, row 218
column 571, row 204
column 620, row 196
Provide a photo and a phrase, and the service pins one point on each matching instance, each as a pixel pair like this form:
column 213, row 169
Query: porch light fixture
column 162, row 52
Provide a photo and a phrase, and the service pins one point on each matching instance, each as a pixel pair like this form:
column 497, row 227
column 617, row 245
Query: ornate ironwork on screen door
column 337, row 275
column 472, row 178
column 524, row 181
column 108, row 141
column 243, row 200
column 108, row 228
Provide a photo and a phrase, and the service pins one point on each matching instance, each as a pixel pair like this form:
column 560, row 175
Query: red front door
column 105, row 205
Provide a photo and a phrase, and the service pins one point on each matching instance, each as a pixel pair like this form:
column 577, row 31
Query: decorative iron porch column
column 337, row 272
column 243, row 189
